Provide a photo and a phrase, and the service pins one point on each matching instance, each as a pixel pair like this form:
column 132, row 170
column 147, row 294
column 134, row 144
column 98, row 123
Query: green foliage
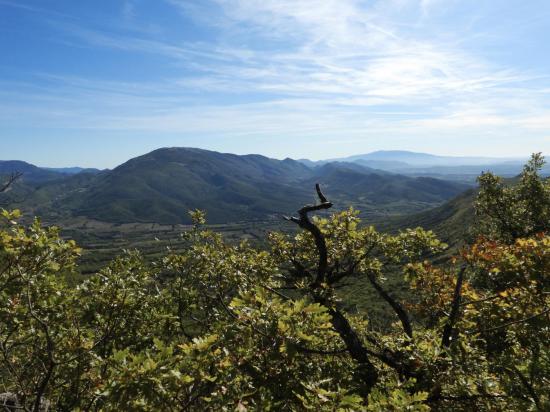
column 161, row 185
column 451, row 221
column 225, row 326
column 510, row 212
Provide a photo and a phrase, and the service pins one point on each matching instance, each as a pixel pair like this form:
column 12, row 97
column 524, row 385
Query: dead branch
column 340, row 323
column 305, row 223
column 11, row 180
column 395, row 305
column 448, row 330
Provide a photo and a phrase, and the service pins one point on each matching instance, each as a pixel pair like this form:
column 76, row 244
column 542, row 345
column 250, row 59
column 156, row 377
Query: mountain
column 404, row 157
column 387, row 165
column 450, row 221
column 72, row 170
column 382, row 187
column 457, row 168
column 31, row 173
column 163, row 185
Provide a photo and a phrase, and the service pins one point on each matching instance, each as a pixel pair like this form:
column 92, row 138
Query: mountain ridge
column 416, row 164
column 162, row 185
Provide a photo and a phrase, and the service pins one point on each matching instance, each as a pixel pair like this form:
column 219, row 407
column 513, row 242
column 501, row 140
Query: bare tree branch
column 396, row 306
column 514, row 322
column 304, row 349
column 11, row 180
column 305, row 223
column 340, row 323
column 455, row 307
column 514, row 371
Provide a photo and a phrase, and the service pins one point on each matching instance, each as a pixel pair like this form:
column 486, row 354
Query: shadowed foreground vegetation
column 224, row 326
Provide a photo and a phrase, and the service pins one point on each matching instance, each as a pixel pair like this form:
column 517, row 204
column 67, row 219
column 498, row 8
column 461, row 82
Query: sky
column 94, row 83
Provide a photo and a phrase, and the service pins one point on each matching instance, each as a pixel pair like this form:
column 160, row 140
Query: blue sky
column 93, row 83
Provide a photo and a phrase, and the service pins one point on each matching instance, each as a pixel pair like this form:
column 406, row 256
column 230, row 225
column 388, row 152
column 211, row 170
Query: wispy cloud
column 291, row 68
column 19, row 5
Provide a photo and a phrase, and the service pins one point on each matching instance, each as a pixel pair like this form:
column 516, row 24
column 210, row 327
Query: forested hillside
column 452, row 221
column 32, row 173
column 223, row 326
column 156, row 187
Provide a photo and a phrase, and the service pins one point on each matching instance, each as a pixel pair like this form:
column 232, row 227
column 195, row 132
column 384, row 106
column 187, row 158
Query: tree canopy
column 222, row 326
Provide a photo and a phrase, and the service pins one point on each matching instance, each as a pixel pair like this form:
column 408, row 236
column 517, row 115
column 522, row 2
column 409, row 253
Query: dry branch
column 11, row 180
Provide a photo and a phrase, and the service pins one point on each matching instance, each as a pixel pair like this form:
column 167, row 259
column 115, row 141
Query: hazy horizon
column 68, row 166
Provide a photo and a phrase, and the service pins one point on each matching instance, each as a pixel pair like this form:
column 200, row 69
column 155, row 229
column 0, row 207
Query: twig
column 514, row 322
column 396, row 306
column 339, row 322
column 303, row 349
column 304, row 222
column 11, row 180
column 448, row 330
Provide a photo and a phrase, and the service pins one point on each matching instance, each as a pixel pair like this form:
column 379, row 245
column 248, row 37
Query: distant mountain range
column 35, row 174
column 30, row 172
column 163, row 185
column 403, row 157
column 456, row 168
column 71, row 170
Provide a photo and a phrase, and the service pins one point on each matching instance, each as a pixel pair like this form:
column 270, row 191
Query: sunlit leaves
column 225, row 326
column 507, row 212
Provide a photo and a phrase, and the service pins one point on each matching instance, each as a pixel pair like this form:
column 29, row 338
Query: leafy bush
column 231, row 327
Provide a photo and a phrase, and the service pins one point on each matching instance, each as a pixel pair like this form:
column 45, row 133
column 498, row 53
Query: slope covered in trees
column 158, row 186
column 452, row 221
column 220, row 326
column 33, row 174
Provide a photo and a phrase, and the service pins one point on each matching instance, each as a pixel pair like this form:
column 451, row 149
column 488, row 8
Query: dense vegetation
column 220, row 326
column 156, row 187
